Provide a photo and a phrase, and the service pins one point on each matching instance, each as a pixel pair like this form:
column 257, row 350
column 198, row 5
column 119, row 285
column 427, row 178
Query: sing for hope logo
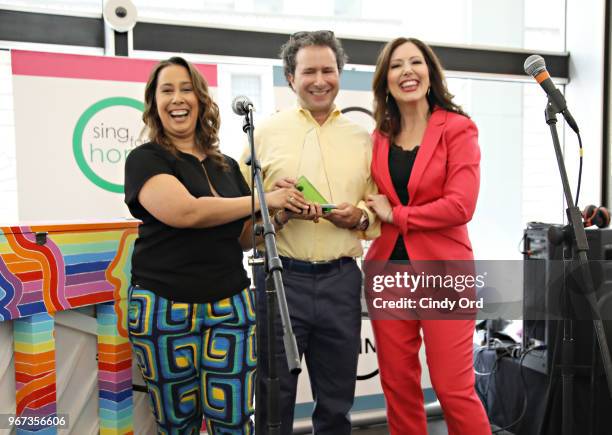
column 103, row 137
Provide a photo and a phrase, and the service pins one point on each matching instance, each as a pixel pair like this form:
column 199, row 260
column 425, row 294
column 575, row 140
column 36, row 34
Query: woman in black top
column 191, row 315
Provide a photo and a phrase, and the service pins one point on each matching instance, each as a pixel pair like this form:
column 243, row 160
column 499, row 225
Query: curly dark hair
column 207, row 127
column 299, row 40
column 386, row 112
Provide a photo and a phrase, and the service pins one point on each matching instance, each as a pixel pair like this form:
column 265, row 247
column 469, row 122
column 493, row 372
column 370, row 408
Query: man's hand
column 313, row 214
column 344, row 216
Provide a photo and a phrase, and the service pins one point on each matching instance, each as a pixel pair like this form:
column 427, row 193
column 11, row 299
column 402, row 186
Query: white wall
column 498, row 23
column 584, row 93
column 8, row 165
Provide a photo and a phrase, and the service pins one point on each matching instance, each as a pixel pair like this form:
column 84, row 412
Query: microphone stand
column 579, row 240
column 275, row 291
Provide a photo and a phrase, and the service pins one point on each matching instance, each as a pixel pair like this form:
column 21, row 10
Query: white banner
column 76, row 119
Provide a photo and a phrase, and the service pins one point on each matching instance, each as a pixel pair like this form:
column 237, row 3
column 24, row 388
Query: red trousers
column 448, row 347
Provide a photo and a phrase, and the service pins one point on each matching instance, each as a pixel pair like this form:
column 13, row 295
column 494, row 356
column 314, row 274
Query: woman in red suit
column 426, row 165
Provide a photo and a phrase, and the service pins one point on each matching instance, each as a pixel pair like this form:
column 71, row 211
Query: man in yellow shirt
column 322, row 281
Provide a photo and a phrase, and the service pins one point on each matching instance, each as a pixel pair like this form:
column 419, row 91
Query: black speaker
column 553, row 291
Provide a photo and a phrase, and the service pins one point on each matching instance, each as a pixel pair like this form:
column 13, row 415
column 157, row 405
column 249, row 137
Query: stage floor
column 434, row 427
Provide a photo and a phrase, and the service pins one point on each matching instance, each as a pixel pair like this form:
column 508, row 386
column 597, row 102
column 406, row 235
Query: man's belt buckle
column 320, row 263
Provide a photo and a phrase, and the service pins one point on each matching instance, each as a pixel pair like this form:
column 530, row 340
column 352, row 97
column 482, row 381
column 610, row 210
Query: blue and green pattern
column 198, row 361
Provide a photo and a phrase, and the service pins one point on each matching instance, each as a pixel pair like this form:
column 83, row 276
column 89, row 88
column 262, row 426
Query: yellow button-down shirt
column 335, row 157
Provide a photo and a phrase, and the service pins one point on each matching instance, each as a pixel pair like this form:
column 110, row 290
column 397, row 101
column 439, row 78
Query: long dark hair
column 386, row 112
column 207, row 127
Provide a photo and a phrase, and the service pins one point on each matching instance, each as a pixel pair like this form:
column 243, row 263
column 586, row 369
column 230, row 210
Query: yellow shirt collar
column 335, row 112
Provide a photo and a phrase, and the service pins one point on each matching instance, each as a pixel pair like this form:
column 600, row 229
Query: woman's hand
column 311, row 213
column 381, row 206
column 288, row 198
column 284, row 182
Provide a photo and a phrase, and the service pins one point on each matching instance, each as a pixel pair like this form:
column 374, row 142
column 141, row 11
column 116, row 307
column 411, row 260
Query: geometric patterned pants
column 197, row 360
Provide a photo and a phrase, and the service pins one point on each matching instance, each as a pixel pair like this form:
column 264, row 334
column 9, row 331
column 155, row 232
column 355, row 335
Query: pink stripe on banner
column 28, row 297
column 80, row 278
column 32, row 286
column 77, row 66
column 115, row 377
column 88, row 287
column 46, row 410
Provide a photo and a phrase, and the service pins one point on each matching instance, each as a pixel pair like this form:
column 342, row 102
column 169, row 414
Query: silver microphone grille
column 534, row 65
column 240, row 105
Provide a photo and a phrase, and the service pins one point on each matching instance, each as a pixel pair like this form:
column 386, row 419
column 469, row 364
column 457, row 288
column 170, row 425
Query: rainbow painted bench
column 49, row 268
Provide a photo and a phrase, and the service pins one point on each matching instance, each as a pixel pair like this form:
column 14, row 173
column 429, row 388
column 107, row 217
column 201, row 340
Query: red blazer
column 443, row 190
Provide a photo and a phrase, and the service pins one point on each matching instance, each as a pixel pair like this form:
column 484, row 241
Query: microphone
column 241, row 105
column 536, row 67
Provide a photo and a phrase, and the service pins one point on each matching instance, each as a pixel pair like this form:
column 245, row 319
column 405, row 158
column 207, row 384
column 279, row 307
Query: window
column 269, row 6
column 219, row 5
column 502, row 23
column 347, row 8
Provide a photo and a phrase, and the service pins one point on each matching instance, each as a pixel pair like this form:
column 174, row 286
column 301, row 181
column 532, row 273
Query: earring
column 387, row 98
column 428, row 91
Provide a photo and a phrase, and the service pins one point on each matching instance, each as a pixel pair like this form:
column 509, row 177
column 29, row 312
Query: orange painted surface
column 112, row 348
column 34, row 369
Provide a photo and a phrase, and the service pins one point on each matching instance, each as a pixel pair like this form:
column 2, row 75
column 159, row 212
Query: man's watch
column 364, row 222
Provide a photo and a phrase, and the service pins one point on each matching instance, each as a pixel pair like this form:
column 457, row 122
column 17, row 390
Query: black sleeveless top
column 401, row 163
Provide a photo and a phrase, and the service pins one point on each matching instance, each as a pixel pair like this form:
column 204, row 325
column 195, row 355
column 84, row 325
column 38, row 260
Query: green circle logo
column 102, row 132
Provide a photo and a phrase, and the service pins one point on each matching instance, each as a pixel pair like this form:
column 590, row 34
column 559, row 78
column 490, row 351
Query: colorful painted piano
column 49, row 268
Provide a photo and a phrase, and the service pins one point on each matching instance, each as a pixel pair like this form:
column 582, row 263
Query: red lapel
column 435, row 126
column 426, row 150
